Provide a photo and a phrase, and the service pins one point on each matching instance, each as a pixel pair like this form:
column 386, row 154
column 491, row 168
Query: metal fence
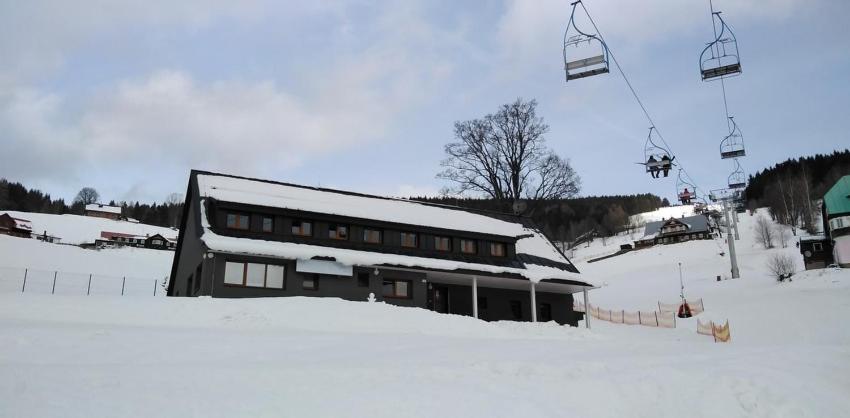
column 27, row 280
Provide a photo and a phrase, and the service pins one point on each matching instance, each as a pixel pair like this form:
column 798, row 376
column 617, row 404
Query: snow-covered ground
column 140, row 266
column 76, row 229
column 109, row 356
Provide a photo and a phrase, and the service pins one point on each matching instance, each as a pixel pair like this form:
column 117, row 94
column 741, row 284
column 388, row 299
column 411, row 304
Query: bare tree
column 87, row 195
column 764, row 232
column 504, row 156
column 782, row 235
column 781, row 266
column 174, row 201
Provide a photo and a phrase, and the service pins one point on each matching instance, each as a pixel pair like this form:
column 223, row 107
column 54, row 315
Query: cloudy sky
column 129, row 96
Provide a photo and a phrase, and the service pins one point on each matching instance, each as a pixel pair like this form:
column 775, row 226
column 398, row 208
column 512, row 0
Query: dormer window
column 497, row 249
column 302, row 228
column 442, row 243
column 238, row 221
column 339, row 232
column 372, row 236
column 268, row 224
column 409, row 240
column 467, row 246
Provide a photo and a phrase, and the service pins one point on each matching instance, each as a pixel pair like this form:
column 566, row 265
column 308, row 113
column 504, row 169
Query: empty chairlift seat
column 720, row 57
column 585, row 54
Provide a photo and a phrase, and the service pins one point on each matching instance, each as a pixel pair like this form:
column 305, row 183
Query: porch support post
column 586, row 309
column 533, row 302
column 475, row 297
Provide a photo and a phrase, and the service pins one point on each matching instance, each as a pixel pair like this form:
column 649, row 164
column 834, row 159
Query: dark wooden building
column 15, row 227
column 675, row 230
column 242, row 237
column 99, row 210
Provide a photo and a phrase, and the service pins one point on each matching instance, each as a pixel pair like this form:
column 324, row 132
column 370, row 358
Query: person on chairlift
column 652, row 163
column 666, row 163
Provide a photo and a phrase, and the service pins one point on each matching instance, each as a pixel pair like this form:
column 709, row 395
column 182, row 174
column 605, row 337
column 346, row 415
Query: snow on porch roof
column 309, row 199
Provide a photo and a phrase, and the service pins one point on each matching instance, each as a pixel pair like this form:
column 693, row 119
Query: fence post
column 640, row 321
column 154, row 287
column 52, row 291
column 88, row 289
column 123, row 280
column 24, row 287
column 656, row 319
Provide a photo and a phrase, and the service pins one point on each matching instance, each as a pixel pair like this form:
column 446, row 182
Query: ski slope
column 77, row 356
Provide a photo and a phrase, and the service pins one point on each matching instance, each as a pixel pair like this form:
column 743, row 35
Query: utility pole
column 735, row 222
column 681, row 283
column 729, row 238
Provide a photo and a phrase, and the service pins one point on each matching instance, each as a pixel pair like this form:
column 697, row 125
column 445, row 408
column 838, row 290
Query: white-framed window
column 254, row 275
column 817, row 247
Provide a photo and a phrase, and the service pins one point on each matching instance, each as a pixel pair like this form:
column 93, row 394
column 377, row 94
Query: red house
column 15, row 227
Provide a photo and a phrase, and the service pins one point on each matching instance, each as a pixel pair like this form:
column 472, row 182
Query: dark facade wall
column 190, row 256
column 344, row 287
column 391, row 239
column 348, row 288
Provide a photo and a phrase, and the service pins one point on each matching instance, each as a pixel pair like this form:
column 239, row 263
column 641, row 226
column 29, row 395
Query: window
column 311, row 283
column 156, row 242
column 409, row 240
column 497, row 249
column 516, row 309
column 817, row 247
column 238, row 221
column 362, row 279
column 302, row 228
column 337, row 232
column 442, row 243
column 372, row 236
column 545, row 314
column 254, row 275
column 467, row 246
column 268, row 224
column 396, row 289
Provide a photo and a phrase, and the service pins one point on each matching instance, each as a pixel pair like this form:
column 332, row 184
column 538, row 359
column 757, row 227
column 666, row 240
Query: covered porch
column 494, row 298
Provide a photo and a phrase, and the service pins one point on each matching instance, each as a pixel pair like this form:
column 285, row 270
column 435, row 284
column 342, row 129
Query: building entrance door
column 439, row 299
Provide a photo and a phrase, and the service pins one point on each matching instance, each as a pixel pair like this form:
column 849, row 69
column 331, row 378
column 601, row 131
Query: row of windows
column 272, row 276
column 841, row 222
column 304, row 228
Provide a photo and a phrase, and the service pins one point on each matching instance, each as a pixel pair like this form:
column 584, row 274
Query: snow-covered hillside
column 111, row 356
column 76, row 229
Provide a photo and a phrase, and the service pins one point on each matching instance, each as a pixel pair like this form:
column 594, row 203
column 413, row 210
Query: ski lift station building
column 244, row 238
column 836, row 219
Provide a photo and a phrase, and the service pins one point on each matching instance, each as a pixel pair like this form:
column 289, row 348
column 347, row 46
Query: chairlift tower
column 726, row 197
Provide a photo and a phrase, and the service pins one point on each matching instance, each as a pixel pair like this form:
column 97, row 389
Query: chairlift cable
column 631, row 88
column 722, row 81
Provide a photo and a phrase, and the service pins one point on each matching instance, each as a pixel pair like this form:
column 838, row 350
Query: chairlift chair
column 657, row 159
column 687, row 190
column 737, row 180
column 720, row 57
column 585, row 55
column 732, row 146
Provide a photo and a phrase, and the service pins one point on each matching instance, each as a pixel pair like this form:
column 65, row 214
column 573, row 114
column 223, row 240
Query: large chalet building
column 242, row 237
column 674, row 230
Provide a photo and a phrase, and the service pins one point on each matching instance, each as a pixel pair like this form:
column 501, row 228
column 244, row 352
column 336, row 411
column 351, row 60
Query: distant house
column 120, row 239
column 99, row 210
column 675, row 230
column 244, row 238
column 15, row 227
column 836, row 220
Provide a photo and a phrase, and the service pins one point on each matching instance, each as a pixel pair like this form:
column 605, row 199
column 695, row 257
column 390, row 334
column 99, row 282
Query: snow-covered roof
column 98, row 207
column 278, row 195
column 22, row 224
